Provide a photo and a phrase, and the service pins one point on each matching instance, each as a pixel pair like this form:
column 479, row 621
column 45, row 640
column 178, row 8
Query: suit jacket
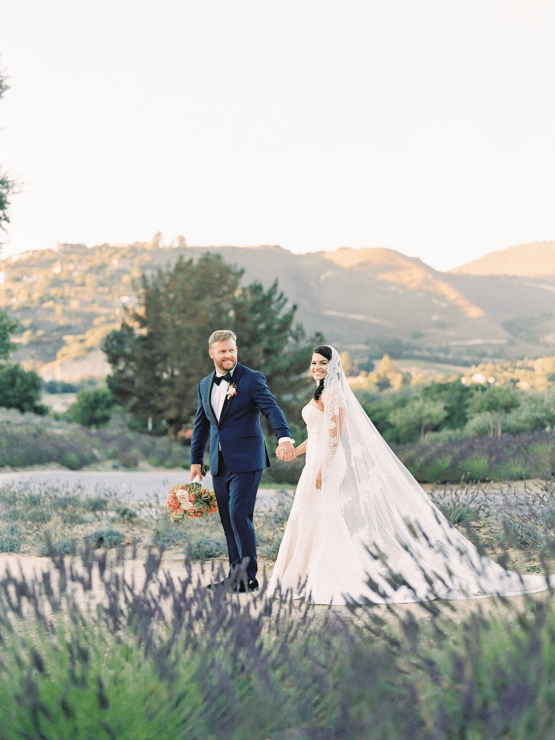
column 238, row 433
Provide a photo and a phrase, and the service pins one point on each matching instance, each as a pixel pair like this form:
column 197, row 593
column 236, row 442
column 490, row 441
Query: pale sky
column 425, row 127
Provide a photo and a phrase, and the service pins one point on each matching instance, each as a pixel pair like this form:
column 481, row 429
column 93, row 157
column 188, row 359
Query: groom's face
column 224, row 355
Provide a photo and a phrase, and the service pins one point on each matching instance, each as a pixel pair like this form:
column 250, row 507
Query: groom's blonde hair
column 222, row 335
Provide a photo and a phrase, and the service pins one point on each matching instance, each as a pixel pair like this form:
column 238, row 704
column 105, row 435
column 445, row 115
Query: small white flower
column 184, row 501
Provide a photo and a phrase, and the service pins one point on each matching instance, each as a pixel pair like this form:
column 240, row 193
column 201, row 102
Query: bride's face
column 319, row 366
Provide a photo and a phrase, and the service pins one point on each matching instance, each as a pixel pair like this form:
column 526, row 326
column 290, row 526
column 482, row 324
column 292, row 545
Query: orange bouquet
column 190, row 502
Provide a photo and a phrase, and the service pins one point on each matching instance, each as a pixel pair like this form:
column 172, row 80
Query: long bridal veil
column 403, row 544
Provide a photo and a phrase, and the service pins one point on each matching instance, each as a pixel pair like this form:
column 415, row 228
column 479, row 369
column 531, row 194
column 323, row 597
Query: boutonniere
column 231, row 391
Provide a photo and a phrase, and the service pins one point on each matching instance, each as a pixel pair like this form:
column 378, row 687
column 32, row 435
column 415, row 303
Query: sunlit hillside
column 67, row 299
column 525, row 260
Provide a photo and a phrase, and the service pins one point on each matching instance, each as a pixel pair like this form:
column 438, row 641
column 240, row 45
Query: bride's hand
column 319, row 480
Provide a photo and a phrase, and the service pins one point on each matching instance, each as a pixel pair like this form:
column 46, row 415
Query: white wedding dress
column 371, row 534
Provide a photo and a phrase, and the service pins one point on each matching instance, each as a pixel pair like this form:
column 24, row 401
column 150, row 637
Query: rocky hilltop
column 67, row 299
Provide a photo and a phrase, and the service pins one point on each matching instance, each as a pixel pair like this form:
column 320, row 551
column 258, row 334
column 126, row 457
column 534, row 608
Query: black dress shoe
column 219, row 585
column 240, row 587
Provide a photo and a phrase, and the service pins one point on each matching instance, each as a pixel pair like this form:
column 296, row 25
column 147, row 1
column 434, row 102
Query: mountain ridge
column 524, row 260
column 67, row 299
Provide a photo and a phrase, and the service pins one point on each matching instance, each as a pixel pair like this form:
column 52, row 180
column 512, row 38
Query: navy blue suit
column 238, row 454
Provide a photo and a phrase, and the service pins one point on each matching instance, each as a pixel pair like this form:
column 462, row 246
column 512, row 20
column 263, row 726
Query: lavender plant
column 203, row 538
column 85, row 652
column 515, row 457
column 527, row 515
column 106, row 538
column 10, row 538
column 459, row 505
column 270, row 524
column 31, row 440
column 51, row 515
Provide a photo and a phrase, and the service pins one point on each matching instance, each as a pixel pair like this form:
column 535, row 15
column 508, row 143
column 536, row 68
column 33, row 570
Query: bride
column 361, row 528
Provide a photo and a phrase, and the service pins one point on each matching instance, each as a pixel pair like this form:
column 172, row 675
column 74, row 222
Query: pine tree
column 160, row 351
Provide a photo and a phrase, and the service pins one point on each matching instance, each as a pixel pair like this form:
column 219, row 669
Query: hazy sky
column 425, row 127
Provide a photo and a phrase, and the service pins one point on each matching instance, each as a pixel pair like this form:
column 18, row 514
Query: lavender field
column 511, row 457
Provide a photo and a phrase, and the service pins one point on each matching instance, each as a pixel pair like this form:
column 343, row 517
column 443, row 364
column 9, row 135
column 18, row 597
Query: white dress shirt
column 217, row 399
column 219, row 393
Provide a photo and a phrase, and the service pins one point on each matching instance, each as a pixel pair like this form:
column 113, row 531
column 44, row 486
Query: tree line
column 451, row 409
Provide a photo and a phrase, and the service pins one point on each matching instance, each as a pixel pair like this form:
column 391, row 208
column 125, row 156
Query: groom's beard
column 227, row 367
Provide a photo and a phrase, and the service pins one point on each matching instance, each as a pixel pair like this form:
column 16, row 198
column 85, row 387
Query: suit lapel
column 238, row 372
column 208, row 399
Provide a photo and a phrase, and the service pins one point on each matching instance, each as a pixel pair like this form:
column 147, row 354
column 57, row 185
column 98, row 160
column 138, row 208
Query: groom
column 230, row 401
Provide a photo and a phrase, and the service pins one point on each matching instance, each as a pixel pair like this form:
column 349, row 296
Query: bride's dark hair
column 325, row 351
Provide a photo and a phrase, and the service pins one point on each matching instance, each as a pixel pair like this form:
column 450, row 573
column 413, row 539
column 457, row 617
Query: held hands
column 285, row 451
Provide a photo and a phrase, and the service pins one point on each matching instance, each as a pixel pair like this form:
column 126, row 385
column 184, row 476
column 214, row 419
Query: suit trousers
column 236, row 496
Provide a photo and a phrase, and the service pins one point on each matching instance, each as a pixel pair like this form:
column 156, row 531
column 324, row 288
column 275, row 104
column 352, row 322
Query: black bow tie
column 218, row 378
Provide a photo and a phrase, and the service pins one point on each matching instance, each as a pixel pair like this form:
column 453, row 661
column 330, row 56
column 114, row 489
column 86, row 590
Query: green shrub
column 475, row 469
column 206, row 546
column 39, row 514
column 52, row 547
column 9, row 543
column 34, row 499
column 513, row 457
column 509, row 470
column 126, row 514
column 21, row 389
column 168, row 533
column 77, row 682
column 92, row 407
column 106, row 538
column 285, row 472
column 128, row 460
column 30, row 440
column 62, row 502
column 95, row 503
column 270, row 524
column 438, row 468
column 71, row 461
column 269, row 548
column 72, row 516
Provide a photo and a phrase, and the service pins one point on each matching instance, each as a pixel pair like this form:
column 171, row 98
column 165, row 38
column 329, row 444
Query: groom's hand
column 286, row 451
column 196, row 470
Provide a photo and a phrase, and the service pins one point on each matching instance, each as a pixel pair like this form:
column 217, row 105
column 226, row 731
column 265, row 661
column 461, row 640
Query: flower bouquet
column 190, row 501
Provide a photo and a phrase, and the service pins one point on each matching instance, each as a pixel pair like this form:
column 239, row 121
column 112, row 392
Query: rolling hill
column 67, row 299
column 525, row 260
